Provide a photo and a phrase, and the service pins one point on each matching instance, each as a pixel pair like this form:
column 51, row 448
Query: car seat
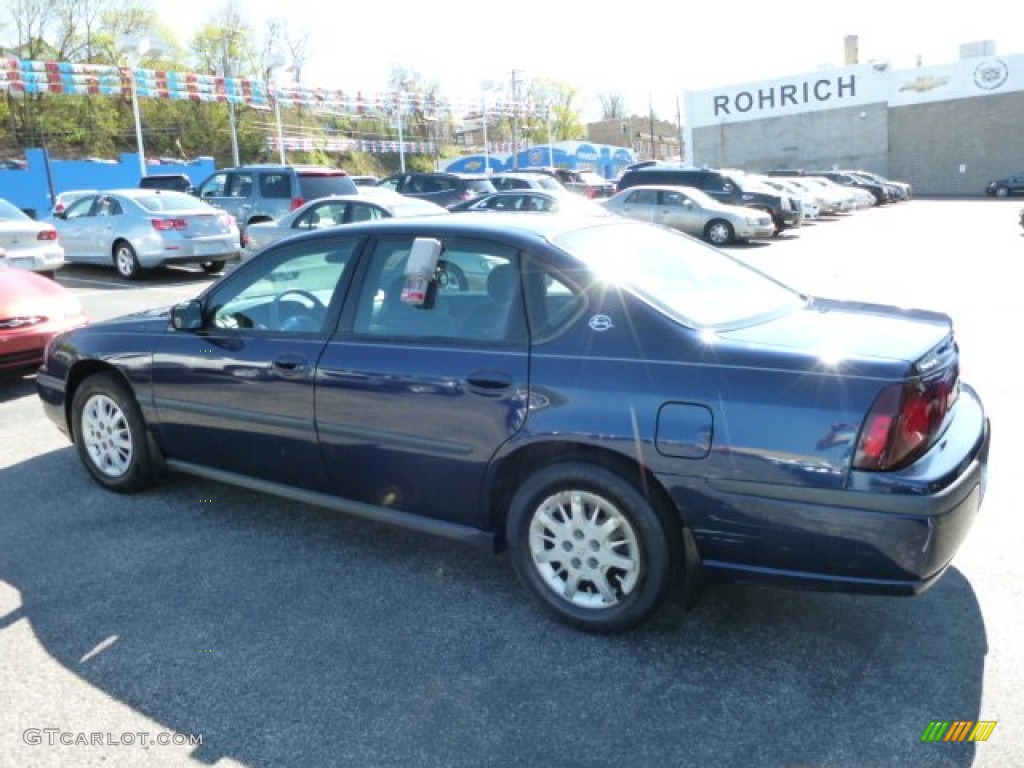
column 490, row 320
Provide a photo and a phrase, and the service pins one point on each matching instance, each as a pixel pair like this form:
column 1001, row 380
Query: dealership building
column 948, row 129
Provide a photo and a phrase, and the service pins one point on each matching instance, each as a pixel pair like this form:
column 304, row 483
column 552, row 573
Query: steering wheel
column 310, row 320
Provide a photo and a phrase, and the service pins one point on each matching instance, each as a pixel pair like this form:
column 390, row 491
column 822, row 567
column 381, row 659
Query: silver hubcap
column 106, row 435
column 719, row 234
column 584, row 549
column 125, row 261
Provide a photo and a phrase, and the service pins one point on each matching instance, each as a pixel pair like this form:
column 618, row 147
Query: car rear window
column 316, row 185
column 172, row 201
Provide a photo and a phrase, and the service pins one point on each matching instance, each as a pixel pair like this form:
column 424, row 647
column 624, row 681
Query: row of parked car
column 237, row 211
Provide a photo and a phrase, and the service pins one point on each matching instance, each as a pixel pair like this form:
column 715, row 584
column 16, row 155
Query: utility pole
column 515, row 122
column 654, row 146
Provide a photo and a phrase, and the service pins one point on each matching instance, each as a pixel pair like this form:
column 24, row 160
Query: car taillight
column 591, row 193
column 904, row 422
column 165, row 225
column 47, row 234
column 297, row 202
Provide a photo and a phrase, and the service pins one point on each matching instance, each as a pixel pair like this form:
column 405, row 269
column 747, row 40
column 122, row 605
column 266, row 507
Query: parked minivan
column 253, row 193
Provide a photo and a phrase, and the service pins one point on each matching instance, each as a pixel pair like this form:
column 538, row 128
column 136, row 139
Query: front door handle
column 290, row 365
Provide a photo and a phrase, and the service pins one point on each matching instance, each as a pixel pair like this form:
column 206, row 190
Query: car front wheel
column 110, row 434
column 591, row 546
column 1002, row 191
column 719, row 232
column 126, row 261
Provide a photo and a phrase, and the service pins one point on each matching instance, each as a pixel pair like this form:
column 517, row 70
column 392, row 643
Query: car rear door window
column 276, row 186
column 476, row 295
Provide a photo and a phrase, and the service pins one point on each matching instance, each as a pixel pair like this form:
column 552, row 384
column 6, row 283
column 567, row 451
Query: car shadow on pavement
column 291, row 636
column 15, row 385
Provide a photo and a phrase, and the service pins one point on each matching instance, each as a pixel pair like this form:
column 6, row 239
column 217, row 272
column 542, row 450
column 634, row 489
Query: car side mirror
column 187, row 316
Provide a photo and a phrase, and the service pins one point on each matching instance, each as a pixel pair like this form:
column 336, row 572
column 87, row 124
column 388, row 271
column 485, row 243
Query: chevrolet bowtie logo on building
column 958, row 730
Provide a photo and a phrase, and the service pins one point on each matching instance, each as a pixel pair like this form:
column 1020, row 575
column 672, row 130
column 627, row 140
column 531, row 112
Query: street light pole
column 139, row 48
column 138, row 124
column 401, row 142
column 487, row 153
column 231, row 104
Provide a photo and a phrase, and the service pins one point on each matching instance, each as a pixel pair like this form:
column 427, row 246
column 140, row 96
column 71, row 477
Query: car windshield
column 9, row 212
column 691, row 282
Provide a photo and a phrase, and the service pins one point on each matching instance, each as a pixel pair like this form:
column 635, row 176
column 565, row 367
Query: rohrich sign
column 771, row 97
column 854, row 86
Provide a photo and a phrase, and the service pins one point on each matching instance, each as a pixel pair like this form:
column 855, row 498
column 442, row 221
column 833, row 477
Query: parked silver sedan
column 370, row 204
column 693, row 212
column 26, row 243
column 136, row 229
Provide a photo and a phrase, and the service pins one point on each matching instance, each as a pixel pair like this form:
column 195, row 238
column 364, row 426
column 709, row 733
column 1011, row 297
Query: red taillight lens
column 166, row 225
column 297, row 202
column 47, row 234
column 904, row 421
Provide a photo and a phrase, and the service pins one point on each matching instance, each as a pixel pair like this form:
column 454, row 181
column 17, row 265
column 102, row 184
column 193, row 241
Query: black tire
column 719, row 232
column 125, row 261
column 591, row 578
column 212, row 267
column 110, row 434
column 1002, row 191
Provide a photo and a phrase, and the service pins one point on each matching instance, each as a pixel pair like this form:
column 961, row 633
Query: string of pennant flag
column 32, row 77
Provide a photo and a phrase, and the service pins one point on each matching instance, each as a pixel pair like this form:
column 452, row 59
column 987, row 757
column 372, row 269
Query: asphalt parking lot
column 287, row 635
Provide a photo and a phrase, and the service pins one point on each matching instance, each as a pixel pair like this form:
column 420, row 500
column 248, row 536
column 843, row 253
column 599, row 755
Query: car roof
column 520, row 226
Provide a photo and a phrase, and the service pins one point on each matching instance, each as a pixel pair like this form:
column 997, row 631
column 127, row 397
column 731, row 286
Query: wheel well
column 78, row 374
column 517, row 467
column 113, row 248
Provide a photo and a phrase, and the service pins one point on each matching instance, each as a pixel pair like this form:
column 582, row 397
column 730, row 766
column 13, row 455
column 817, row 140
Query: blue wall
column 30, row 189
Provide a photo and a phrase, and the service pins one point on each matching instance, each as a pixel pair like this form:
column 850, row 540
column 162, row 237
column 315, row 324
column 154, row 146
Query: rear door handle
column 489, row 383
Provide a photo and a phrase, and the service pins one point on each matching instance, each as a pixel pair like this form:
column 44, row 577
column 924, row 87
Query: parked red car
column 33, row 309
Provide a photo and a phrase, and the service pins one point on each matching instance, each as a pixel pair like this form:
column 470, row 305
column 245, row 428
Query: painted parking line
column 72, row 282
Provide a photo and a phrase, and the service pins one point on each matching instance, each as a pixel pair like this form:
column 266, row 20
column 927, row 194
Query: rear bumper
column 894, row 541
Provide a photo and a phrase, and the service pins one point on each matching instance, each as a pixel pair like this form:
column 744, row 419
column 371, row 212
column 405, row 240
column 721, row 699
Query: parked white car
column 693, row 212
column 26, row 243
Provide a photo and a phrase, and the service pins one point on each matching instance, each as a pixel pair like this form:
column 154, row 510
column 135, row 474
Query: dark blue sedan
column 625, row 409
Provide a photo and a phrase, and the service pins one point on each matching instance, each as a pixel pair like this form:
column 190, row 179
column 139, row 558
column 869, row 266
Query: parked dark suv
column 725, row 186
column 444, row 189
column 253, row 193
column 178, row 182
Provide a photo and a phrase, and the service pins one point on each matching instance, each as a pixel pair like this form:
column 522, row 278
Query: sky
column 649, row 54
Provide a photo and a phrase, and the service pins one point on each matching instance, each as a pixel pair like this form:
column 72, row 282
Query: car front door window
column 291, row 293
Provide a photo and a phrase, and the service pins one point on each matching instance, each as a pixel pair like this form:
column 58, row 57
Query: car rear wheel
column 1002, row 191
column 110, row 434
column 125, row 260
column 213, row 267
column 719, row 232
column 591, row 547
